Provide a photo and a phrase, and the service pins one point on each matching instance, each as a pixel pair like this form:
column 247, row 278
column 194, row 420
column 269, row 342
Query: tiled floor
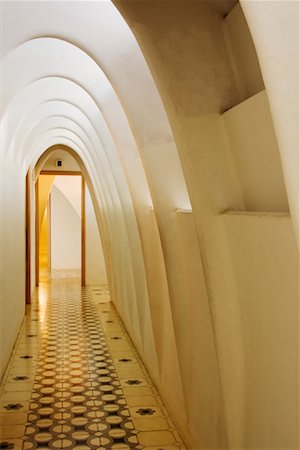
column 76, row 382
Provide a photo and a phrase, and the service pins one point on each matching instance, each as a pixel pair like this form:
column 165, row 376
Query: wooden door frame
column 83, row 234
column 37, row 234
column 83, row 223
column 27, row 241
column 49, row 232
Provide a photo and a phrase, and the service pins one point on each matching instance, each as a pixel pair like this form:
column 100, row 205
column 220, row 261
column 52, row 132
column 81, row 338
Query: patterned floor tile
column 76, row 382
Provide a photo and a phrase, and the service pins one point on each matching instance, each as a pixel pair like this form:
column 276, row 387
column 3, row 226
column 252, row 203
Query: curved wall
column 231, row 162
column 161, row 137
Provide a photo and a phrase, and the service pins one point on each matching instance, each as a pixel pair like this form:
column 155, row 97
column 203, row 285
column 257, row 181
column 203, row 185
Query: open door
column 43, row 187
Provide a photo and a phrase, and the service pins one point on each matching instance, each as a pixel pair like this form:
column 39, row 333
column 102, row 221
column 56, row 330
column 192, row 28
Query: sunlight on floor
column 75, row 380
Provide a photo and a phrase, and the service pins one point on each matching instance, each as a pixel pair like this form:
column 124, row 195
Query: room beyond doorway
column 60, row 225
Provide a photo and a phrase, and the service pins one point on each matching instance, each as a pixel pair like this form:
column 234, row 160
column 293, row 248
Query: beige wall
column 65, row 230
column 256, row 154
column 95, row 263
column 264, row 255
column 242, row 54
column 12, row 232
column 275, row 30
column 45, row 185
column 229, row 162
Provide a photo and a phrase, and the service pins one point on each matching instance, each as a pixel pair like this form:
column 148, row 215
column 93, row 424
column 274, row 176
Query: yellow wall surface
column 264, row 255
column 45, row 185
column 242, row 54
column 43, row 255
column 256, row 155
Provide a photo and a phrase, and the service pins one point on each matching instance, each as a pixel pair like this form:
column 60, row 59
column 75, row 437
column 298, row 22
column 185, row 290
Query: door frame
column 83, row 234
column 49, row 232
column 37, row 233
column 83, row 223
column 27, row 240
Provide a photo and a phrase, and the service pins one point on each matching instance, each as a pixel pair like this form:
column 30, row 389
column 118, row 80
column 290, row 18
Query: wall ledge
column 256, row 213
column 183, row 211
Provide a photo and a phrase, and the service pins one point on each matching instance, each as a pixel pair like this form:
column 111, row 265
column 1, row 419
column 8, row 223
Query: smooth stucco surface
column 180, row 155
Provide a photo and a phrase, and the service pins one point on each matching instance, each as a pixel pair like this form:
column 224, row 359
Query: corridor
column 150, row 146
column 75, row 380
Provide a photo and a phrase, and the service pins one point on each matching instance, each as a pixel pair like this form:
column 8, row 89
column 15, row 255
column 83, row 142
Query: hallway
column 179, row 120
column 75, row 380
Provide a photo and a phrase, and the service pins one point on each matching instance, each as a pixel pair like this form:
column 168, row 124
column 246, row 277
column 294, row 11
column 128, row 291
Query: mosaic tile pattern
column 76, row 382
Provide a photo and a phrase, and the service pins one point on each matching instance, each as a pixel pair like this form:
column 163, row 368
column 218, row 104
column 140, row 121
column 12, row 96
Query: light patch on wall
column 65, row 227
column 70, row 186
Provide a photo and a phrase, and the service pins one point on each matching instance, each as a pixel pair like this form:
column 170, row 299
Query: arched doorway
column 60, row 224
column 91, row 251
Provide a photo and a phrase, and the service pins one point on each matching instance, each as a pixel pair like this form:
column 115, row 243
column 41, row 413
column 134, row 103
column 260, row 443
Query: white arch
column 61, row 96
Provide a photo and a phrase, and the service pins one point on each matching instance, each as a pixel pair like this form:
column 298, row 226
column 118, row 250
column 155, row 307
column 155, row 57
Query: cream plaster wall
column 278, row 53
column 65, row 232
column 95, row 263
column 12, row 233
column 242, row 54
column 264, row 256
column 68, row 162
column 70, row 186
column 255, row 149
column 191, row 60
column 45, row 185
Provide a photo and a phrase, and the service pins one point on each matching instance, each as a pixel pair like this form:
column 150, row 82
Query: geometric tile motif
column 77, row 401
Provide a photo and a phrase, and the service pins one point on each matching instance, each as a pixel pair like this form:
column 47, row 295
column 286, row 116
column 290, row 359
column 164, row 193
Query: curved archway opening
column 67, row 232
